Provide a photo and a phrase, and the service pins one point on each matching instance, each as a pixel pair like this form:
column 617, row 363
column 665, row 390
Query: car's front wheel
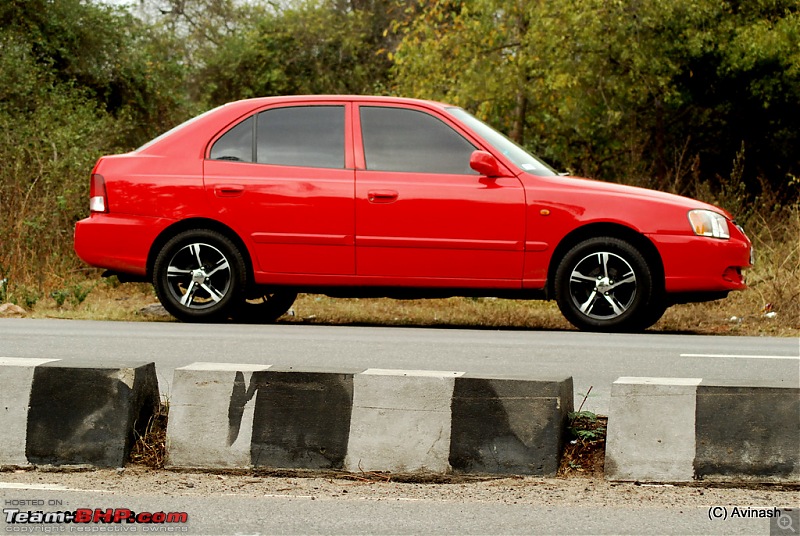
column 606, row 284
column 200, row 276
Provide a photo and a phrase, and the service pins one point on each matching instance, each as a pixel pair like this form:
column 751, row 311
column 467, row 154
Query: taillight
column 98, row 198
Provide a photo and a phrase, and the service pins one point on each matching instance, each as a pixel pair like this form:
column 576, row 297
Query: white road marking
column 46, row 487
column 660, row 381
column 23, row 361
column 744, row 356
column 425, row 373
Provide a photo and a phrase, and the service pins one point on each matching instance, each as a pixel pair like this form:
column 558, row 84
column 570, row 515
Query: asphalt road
column 246, row 505
column 593, row 360
column 218, row 504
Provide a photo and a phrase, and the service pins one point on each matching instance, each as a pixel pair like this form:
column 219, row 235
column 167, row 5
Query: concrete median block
column 512, row 426
column 748, row 432
column 210, row 423
column 651, row 431
column 687, row 429
column 240, row 415
column 301, row 419
column 75, row 413
column 401, row 421
column 245, row 416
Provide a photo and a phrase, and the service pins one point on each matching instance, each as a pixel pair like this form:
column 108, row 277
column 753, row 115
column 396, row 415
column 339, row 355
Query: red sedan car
column 378, row 196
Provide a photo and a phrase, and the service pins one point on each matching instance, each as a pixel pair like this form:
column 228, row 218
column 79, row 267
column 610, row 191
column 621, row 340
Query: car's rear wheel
column 200, row 276
column 606, row 284
column 267, row 306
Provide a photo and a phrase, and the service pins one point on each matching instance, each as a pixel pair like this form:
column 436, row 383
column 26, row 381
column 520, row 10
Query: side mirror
column 484, row 163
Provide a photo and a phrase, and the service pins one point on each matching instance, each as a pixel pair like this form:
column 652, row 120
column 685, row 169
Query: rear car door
column 283, row 179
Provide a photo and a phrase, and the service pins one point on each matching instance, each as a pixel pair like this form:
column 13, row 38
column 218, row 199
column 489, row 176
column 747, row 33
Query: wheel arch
column 193, row 224
column 613, row 230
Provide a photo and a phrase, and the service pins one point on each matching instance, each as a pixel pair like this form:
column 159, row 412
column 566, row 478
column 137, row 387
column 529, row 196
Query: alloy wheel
column 602, row 285
column 199, row 276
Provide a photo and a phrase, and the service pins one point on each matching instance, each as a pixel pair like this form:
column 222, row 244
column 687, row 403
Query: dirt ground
column 562, row 491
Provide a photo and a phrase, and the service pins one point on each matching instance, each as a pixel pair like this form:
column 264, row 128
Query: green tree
column 240, row 49
column 50, row 135
column 77, row 80
column 632, row 90
column 116, row 60
column 305, row 47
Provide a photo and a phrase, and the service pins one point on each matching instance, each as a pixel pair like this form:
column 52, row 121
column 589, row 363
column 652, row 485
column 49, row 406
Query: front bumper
column 696, row 264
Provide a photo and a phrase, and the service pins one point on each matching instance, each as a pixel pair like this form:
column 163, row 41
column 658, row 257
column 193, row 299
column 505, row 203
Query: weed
column 29, row 297
column 60, row 296
column 586, row 426
column 150, row 448
column 79, row 292
column 586, row 444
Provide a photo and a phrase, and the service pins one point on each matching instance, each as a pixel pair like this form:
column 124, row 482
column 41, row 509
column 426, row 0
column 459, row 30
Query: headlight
column 708, row 223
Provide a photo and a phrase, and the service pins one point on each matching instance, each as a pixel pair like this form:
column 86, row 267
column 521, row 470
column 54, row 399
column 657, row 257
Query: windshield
column 522, row 158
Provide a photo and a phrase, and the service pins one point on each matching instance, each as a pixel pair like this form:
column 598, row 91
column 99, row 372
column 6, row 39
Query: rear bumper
column 120, row 243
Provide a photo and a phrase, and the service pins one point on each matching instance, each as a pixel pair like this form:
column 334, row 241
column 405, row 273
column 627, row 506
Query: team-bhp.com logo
column 97, row 515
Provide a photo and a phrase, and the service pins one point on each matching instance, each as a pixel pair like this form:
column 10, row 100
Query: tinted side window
column 396, row 139
column 236, row 144
column 311, row 136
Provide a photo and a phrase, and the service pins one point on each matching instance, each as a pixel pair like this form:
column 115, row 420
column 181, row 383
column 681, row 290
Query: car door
column 423, row 216
column 283, row 179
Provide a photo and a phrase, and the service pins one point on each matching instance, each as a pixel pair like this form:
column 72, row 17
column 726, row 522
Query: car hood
column 587, row 186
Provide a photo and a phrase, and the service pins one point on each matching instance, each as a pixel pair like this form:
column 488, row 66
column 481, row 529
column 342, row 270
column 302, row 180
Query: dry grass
column 742, row 313
column 450, row 312
column 105, row 301
column 585, row 451
column 150, row 449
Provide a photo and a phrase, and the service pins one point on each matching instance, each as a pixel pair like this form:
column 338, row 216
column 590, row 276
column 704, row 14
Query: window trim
column 349, row 159
column 358, row 133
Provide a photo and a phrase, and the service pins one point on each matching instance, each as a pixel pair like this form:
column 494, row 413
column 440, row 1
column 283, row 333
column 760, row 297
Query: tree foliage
column 76, row 81
column 683, row 95
column 242, row 50
column 649, row 91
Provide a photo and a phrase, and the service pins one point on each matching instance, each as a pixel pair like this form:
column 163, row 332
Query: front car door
column 423, row 216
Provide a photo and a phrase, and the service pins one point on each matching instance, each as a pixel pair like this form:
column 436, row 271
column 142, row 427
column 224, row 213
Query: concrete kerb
column 73, row 413
column 691, row 429
column 242, row 416
column 259, row 416
column 401, row 421
column 201, row 409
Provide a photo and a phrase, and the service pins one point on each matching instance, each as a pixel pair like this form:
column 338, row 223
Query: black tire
column 606, row 284
column 653, row 314
column 200, row 276
column 267, row 307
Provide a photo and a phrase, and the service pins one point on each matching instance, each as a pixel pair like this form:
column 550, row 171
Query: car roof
column 341, row 98
column 196, row 129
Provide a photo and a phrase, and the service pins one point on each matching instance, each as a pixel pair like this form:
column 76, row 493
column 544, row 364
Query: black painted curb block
column 691, row 429
column 258, row 416
column 76, row 413
column 522, row 419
